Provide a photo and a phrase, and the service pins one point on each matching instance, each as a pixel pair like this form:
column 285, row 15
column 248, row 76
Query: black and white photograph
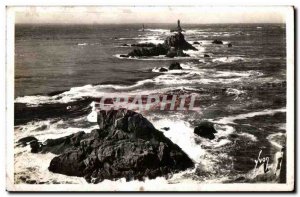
column 150, row 98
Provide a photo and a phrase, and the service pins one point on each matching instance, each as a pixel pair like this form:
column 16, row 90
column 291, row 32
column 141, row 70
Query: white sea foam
column 249, row 136
column 231, row 119
column 229, row 59
column 182, row 134
column 152, row 58
column 82, row 44
column 274, row 142
column 162, row 31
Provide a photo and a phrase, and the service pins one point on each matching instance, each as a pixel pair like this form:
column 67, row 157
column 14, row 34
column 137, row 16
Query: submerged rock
column 175, row 66
column 125, row 145
column 163, row 70
column 205, row 129
column 196, row 42
column 217, row 41
column 24, row 141
column 229, row 45
column 206, row 55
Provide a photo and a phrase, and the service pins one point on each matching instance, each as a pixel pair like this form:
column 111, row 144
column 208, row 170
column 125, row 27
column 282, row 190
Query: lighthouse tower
column 178, row 28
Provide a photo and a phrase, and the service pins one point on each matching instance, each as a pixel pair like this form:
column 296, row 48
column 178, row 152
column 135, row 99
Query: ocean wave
column 231, row 119
column 152, row 58
column 229, row 59
column 235, row 92
column 182, row 134
column 277, row 139
column 190, row 75
column 161, row 31
column 249, row 136
column 82, row 44
column 134, row 38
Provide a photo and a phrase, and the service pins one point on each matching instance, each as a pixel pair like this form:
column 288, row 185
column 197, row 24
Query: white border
column 188, row 187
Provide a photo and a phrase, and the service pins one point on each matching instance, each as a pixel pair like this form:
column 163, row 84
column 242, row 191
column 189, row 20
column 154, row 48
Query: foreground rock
column 125, row 145
column 173, row 46
column 206, row 130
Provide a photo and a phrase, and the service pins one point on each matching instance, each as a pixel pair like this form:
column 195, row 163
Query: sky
column 117, row 15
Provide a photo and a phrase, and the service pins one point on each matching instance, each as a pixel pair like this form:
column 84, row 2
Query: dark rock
column 172, row 46
column 196, row 42
column 171, row 54
column 217, row 41
column 175, row 66
column 176, row 53
column 229, row 45
column 166, row 128
column 206, row 55
column 180, row 53
column 35, row 146
column 124, row 55
column 125, row 45
column 154, row 51
column 25, row 140
column 126, row 145
column 163, row 70
column 143, row 45
column 178, row 42
column 206, row 130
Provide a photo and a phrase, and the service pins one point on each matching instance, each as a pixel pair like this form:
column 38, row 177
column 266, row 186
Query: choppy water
column 241, row 89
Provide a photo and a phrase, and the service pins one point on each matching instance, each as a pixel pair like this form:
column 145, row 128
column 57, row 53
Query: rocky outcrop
column 178, row 42
column 173, row 46
column 159, row 49
column 24, row 141
column 175, row 66
column 125, row 145
column 205, row 129
column 147, row 44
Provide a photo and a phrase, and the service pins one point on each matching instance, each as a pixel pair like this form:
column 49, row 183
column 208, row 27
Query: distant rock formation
column 178, row 42
column 173, row 46
column 126, row 145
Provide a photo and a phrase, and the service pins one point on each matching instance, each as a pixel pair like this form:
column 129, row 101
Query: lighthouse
column 178, row 28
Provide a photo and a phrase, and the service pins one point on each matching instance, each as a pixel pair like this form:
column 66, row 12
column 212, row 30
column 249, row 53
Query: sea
column 61, row 68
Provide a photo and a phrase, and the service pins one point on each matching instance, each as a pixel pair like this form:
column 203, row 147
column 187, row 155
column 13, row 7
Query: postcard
column 150, row 98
